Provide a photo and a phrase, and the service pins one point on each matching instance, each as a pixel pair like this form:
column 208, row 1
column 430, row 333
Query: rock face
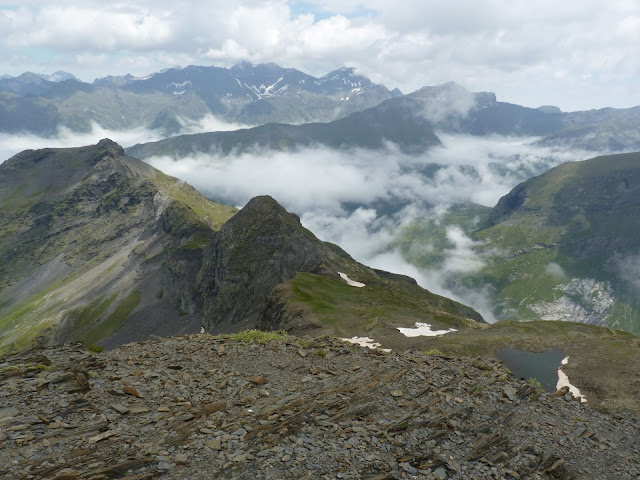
column 197, row 406
column 103, row 248
column 260, row 247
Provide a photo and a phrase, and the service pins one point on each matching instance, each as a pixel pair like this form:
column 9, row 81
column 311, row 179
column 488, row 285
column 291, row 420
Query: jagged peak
column 110, row 145
column 265, row 208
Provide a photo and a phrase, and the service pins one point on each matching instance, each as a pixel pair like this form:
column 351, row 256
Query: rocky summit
column 267, row 405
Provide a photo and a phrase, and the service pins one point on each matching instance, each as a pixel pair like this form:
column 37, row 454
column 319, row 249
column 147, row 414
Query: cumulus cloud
column 575, row 54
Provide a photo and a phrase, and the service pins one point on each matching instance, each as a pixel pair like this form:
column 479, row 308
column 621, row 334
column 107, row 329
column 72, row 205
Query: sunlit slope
column 569, row 244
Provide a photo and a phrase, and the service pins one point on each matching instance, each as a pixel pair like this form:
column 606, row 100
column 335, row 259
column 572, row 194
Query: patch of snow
column 353, row 283
column 179, row 85
column 423, row 330
column 181, row 92
column 147, row 77
column 366, row 342
column 563, row 381
column 266, row 91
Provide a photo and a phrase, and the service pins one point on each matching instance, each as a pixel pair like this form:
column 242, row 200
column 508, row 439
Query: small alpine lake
column 542, row 366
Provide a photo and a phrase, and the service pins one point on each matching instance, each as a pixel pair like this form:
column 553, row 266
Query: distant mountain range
column 267, row 93
column 413, row 121
column 246, row 93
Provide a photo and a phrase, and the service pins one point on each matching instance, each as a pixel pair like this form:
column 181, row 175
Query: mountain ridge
column 101, row 247
column 573, row 229
column 246, row 94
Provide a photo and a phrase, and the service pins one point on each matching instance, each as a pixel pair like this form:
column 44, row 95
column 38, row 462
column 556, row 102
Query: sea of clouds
column 359, row 199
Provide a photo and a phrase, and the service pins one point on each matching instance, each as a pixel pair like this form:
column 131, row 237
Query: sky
column 574, row 54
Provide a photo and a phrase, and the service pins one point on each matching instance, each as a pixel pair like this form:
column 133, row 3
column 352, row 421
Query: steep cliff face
column 263, row 256
column 262, row 246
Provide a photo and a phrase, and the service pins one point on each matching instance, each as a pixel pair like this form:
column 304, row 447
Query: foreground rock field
column 203, row 407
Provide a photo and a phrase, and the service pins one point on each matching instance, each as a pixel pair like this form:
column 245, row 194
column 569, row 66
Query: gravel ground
column 203, row 407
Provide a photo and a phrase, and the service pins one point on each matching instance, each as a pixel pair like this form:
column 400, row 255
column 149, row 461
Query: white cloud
column 556, row 270
column 10, row 144
column 576, row 54
column 70, row 27
column 363, row 200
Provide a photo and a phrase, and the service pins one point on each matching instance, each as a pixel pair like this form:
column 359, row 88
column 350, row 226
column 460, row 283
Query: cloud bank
column 365, row 200
column 574, row 54
column 11, row 143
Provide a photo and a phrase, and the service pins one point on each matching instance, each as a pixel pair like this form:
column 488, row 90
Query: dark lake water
column 541, row 366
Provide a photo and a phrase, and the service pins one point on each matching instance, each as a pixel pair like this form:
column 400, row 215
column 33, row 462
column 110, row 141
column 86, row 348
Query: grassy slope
column 581, row 216
column 374, row 310
column 214, row 214
column 52, row 203
column 602, row 361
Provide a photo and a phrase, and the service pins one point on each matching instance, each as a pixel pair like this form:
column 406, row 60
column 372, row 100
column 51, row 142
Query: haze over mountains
column 403, row 182
column 168, row 102
column 245, row 94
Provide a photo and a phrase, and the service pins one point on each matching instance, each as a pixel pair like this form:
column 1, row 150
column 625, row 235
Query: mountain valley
column 109, row 250
column 148, row 331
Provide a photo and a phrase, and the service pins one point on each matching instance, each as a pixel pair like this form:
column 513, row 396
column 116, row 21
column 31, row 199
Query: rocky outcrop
column 257, row 252
column 261, row 247
column 273, row 406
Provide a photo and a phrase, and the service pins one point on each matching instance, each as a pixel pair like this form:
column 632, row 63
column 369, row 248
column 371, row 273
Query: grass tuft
column 433, row 352
column 258, row 336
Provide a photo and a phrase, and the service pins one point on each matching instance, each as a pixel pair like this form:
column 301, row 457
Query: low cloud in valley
column 365, row 200
column 360, row 199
